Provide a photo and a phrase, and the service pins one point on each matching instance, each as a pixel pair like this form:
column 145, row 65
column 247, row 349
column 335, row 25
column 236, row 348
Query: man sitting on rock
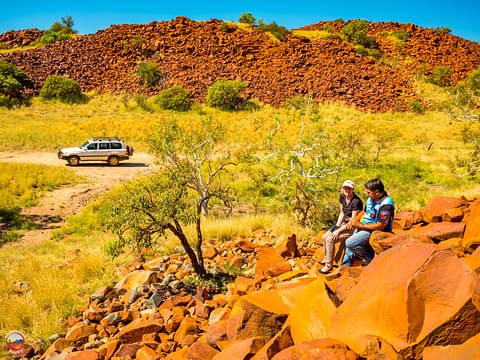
column 378, row 216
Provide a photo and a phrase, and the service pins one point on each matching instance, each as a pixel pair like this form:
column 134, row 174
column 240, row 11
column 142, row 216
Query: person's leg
column 329, row 247
column 358, row 245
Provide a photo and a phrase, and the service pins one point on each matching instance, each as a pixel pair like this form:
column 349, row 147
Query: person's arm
column 341, row 216
column 355, row 220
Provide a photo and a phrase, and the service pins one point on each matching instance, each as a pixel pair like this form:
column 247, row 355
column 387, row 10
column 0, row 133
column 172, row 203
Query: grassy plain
column 414, row 164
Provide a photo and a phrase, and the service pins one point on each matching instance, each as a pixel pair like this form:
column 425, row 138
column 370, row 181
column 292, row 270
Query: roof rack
column 105, row 139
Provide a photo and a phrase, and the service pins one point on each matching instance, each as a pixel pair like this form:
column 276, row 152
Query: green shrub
column 3, row 46
column 150, row 74
column 247, row 18
column 12, row 83
column 440, row 76
column 418, row 107
column 443, row 29
column 356, row 32
column 227, row 28
column 401, row 35
column 138, row 40
column 473, row 81
column 328, row 28
column 276, row 30
column 142, row 102
column 226, row 94
column 63, row 89
column 51, row 36
column 369, row 52
column 175, row 98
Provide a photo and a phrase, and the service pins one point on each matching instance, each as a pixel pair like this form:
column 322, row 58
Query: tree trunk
column 177, row 230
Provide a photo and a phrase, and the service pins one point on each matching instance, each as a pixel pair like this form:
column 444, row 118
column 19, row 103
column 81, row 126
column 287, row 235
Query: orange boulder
column 268, row 260
column 82, row 355
column 134, row 331
column 472, row 230
column 318, row 349
column 452, row 352
column 439, row 205
column 135, row 278
column 241, row 350
column 408, row 296
column 439, row 232
column 288, row 247
column 200, row 351
column 310, row 316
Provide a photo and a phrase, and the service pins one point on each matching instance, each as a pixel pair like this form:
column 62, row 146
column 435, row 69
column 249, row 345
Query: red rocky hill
column 196, row 54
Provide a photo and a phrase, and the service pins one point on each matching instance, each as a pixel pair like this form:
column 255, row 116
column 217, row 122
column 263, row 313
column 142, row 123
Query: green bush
column 63, row 89
column 226, row 94
column 473, row 81
column 440, row 76
column 3, row 46
column 175, row 98
column 227, row 28
column 247, row 18
column 51, row 36
column 276, row 30
column 369, row 52
column 356, row 32
column 401, row 35
column 12, row 83
column 150, row 74
column 443, row 29
column 418, row 107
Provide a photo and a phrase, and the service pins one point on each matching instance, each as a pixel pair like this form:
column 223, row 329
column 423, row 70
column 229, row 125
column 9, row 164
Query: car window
column 116, row 145
column 92, row 146
column 104, row 146
column 86, row 143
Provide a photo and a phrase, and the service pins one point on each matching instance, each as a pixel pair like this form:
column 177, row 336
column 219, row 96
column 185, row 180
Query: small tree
column 276, row 30
column 63, row 89
column 13, row 81
column 68, row 23
column 356, row 32
column 226, row 94
column 178, row 195
column 150, row 74
column 174, row 98
column 247, row 18
column 440, row 76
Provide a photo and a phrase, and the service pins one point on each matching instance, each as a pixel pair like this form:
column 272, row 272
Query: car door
column 103, row 151
column 90, row 152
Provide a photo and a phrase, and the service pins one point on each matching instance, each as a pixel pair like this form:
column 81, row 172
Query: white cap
column 348, row 183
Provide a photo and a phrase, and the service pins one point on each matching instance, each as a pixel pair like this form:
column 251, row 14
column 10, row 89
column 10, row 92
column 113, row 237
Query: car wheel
column 73, row 160
column 113, row 161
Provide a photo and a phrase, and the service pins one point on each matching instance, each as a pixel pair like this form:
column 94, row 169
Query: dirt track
column 56, row 206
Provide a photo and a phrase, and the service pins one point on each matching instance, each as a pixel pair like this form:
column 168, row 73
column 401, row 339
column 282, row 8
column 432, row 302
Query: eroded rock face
column 405, row 297
column 452, row 352
column 439, row 206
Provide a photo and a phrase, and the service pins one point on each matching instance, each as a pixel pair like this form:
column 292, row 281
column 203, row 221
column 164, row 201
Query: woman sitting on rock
column 350, row 206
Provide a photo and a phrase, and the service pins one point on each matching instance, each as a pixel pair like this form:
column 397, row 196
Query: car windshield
column 84, row 145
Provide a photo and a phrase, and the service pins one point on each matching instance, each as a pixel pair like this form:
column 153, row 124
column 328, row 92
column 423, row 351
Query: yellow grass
column 312, row 34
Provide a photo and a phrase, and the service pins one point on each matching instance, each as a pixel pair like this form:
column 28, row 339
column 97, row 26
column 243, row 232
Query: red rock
column 318, row 349
column 238, row 261
column 279, row 269
column 438, row 206
column 282, row 340
column 453, row 215
column 241, row 350
column 439, row 232
column 404, row 220
column 125, row 350
column 80, row 332
column 200, row 351
column 310, row 316
column 288, row 247
column 135, row 278
column 82, row 355
column 267, row 259
column 472, row 229
column 58, row 346
column 452, row 352
column 134, row 331
column 178, row 300
column 216, row 332
column 245, row 245
column 146, row 353
column 202, row 311
column 407, row 296
column 188, row 326
column 210, row 252
column 374, row 347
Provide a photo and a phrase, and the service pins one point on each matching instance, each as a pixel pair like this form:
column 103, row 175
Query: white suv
column 112, row 150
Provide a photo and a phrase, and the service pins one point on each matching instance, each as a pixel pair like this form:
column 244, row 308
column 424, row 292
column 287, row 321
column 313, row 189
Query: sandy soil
column 56, row 206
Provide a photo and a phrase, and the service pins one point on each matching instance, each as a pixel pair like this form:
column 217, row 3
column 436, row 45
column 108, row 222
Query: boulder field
column 195, row 54
column 419, row 298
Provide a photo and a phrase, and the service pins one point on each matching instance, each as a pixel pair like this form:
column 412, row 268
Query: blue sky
column 89, row 16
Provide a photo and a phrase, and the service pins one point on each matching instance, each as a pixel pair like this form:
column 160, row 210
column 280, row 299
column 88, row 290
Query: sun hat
column 348, row 183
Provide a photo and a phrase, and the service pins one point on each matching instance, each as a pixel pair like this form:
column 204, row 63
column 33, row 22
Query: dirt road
column 56, row 206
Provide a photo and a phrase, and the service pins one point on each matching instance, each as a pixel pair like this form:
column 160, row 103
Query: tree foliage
column 356, row 32
column 276, row 30
column 247, row 18
column 13, row 82
column 178, row 195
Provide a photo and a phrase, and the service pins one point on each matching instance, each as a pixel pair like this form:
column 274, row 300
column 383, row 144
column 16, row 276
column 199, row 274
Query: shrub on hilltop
column 226, row 94
column 59, row 31
column 356, row 32
column 247, row 18
column 276, row 30
column 12, row 83
column 174, row 98
column 63, row 89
